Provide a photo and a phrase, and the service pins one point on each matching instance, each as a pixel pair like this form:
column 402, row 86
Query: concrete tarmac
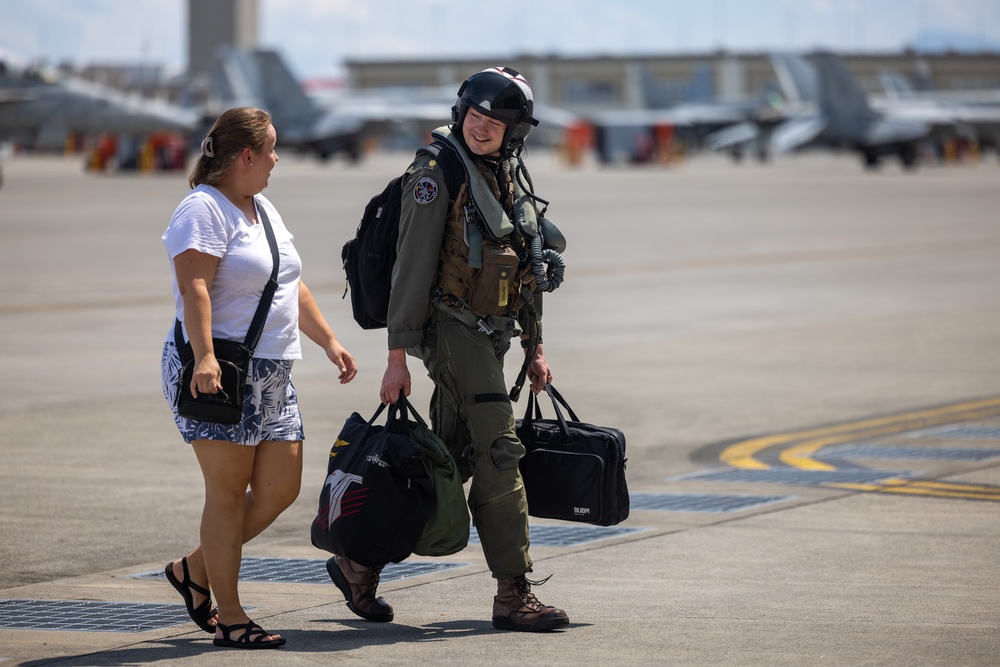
column 812, row 345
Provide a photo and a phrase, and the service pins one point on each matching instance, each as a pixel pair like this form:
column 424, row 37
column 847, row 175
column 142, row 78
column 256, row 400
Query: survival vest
column 490, row 283
column 368, row 258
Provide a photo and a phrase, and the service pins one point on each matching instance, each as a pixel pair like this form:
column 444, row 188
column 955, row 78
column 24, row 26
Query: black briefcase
column 572, row 470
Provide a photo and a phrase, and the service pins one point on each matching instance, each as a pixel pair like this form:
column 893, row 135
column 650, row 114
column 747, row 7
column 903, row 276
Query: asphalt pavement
column 803, row 357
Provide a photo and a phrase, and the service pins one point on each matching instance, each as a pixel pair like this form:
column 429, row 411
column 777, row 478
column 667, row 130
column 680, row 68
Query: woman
column 222, row 260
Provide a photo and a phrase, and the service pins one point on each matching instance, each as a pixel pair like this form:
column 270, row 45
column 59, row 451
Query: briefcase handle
column 535, row 406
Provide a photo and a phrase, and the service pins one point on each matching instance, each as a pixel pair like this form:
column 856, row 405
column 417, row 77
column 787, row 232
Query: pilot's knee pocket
column 505, row 453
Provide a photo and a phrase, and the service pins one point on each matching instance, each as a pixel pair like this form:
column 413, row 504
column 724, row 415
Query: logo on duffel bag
column 342, row 502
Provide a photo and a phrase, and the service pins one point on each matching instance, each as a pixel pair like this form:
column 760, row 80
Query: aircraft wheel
column 354, row 153
column 908, row 156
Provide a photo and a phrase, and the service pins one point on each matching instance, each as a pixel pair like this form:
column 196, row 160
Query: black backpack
column 369, row 257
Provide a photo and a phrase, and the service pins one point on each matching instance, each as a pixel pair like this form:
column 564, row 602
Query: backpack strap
column 450, row 163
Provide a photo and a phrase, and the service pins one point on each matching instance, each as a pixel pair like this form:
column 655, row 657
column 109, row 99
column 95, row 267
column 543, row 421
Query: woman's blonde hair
column 236, row 129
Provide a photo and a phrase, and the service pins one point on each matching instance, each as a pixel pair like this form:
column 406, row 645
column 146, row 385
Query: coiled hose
column 547, row 265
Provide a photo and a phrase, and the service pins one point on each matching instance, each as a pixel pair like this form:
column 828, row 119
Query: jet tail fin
column 841, row 97
column 796, row 78
column 262, row 79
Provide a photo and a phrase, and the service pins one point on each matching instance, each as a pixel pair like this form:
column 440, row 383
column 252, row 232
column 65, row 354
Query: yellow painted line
column 800, row 456
column 918, row 490
column 942, row 486
column 743, row 454
column 946, row 486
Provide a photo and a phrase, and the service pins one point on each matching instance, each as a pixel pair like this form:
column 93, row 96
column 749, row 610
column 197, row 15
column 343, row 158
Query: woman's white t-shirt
column 208, row 222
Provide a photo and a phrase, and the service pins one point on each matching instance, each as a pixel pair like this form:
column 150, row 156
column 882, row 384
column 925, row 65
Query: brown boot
column 358, row 584
column 515, row 607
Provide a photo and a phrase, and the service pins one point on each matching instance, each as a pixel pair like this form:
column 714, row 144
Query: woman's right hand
column 207, row 376
column 195, row 272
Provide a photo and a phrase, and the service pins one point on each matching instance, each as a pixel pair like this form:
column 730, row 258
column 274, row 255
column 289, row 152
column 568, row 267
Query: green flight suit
column 470, row 409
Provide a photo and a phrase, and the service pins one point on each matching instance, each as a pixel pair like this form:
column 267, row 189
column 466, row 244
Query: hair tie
column 207, row 149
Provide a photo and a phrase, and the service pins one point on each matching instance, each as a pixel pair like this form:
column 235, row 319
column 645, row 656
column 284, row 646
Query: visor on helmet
column 500, row 93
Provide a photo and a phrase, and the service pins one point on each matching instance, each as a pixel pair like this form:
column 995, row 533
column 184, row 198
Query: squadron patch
column 425, row 191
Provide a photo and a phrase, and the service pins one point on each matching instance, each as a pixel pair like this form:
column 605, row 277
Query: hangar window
column 581, row 91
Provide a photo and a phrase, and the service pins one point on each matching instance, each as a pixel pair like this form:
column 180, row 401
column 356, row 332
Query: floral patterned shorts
column 270, row 406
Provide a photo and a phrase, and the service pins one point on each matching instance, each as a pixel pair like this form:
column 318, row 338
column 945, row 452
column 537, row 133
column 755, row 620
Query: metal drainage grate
column 89, row 616
column 801, row 477
column 404, row 570
column 908, row 453
column 311, row 571
column 970, row 432
column 700, row 502
column 569, row 535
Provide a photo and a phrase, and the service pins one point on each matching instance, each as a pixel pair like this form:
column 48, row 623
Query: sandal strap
column 251, row 629
column 206, row 608
column 204, row 612
column 187, row 580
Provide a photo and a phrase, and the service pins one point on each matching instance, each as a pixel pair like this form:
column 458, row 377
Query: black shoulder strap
column 259, row 317
column 257, row 323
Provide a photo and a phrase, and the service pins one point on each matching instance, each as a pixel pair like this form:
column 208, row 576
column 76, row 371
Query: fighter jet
column 850, row 121
column 973, row 114
column 262, row 79
column 690, row 108
column 827, row 106
column 794, row 117
column 42, row 107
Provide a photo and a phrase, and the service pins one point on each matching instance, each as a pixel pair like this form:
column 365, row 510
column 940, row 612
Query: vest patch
column 425, row 191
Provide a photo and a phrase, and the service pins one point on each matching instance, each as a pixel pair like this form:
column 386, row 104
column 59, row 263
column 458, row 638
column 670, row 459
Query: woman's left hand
column 343, row 360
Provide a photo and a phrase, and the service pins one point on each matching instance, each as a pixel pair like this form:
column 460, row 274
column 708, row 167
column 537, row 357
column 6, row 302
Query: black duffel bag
column 572, row 470
column 378, row 495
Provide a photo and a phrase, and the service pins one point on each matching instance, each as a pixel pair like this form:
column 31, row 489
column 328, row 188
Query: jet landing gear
column 871, row 159
column 907, row 154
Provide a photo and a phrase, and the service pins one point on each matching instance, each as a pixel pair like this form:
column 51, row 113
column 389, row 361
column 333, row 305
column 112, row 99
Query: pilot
column 462, row 288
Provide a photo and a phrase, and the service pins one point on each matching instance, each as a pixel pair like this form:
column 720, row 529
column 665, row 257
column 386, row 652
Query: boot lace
column 522, row 587
column 371, row 584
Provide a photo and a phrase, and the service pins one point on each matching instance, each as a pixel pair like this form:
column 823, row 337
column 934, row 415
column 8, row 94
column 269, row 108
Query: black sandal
column 252, row 629
column 205, row 611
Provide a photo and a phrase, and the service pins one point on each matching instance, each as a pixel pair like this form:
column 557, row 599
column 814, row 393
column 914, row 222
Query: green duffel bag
column 447, row 529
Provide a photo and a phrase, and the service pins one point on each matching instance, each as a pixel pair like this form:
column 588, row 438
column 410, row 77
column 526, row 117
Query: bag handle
column 534, row 406
column 556, row 396
column 399, row 416
column 381, row 409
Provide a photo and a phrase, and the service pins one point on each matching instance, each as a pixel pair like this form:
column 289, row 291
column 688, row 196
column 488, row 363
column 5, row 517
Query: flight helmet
column 500, row 93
